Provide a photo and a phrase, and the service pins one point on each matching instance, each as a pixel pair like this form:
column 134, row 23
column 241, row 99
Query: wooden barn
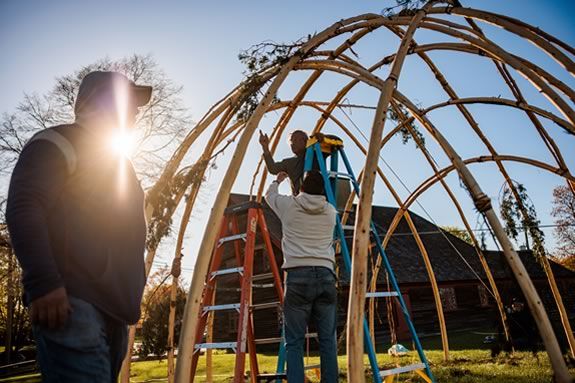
column 467, row 303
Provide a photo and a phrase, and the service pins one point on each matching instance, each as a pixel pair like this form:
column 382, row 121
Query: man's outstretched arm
column 277, row 202
column 272, row 166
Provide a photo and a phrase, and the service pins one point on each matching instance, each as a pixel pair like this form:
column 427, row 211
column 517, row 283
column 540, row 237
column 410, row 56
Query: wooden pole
column 358, row 283
column 209, row 339
column 176, row 271
column 213, row 142
column 483, row 205
column 193, row 302
column 516, row 28
column 189, row 323
column 126, row 363
column 346, row 65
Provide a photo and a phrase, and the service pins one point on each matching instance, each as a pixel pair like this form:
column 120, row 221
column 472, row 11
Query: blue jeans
column 89, row 348
column 310, row 294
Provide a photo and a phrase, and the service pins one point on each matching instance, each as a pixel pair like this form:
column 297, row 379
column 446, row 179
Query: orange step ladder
column 229, row 233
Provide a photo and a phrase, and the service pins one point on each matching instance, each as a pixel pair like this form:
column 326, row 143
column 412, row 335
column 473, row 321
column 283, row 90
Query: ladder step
column 234, row 237
column 262, row 285
column 311, row 335
column 399, row 370
column 382, row 294
column 238, row 270
column 259, row 277
column 339, row 174
column 268, row 305
column 351, row 227
column 232, row 306
column 222, row 345
column 268, row 340
column 242, row 208
column 234, row 289
column 279, row 339
column 311, row 366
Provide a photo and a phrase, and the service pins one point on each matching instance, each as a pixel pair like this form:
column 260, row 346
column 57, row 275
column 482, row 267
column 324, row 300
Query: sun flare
column 122, row 144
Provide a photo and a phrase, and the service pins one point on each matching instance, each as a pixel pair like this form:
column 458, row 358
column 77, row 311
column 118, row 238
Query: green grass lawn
column 464, row 366
column 469, row 361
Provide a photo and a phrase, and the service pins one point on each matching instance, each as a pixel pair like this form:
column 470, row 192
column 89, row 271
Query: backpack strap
column 62, row 143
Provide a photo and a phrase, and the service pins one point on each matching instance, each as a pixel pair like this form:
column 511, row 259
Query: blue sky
column 196, row 44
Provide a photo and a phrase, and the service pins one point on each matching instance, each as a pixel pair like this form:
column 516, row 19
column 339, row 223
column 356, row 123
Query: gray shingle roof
column 451, row 258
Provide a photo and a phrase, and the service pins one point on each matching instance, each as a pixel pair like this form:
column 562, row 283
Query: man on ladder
column 293, row 166
column 308, row 222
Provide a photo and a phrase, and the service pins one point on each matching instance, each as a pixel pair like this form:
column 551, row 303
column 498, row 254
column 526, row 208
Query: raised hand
column 281, row 176
column 264, row 140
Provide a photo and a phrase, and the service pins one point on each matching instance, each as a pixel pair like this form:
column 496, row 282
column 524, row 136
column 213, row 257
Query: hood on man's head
column 98, row 87
column 312, row 204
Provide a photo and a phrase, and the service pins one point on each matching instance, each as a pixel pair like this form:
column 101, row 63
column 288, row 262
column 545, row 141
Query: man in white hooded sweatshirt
column 308, row 221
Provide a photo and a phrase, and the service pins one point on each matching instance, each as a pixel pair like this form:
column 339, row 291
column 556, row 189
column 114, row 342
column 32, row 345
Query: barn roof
column 452, row 259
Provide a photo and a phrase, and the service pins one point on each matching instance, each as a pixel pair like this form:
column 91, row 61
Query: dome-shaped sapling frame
column 449, row 21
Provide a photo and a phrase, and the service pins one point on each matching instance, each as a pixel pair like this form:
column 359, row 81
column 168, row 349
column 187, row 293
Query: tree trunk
column 10, row 306
column 125, row 371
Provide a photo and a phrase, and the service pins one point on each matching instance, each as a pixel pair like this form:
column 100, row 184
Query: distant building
column 467, row 304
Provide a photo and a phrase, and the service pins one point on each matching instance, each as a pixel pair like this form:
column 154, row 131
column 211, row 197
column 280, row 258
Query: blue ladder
column 314, row 157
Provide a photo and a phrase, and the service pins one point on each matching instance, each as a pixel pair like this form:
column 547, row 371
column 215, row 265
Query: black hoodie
column 75, row 214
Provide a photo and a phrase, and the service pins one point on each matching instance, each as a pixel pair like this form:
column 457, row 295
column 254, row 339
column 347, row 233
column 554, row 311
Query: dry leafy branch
column 517, row 220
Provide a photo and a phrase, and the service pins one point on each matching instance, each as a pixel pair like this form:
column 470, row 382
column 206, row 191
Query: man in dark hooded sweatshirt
column 75, row 214
column 293, row 166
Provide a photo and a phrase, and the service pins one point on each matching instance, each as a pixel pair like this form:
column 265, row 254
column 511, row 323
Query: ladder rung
column 221, row 345
column 259, row 277
column 234, row 289
column 232, row 306
column 238, row 270
column 382, row 294
column 268, row 305
column 268, row 340
column 311, row 335
column 339, row 174
column 352, row 227
column 277, row 340
column 263, row 285
column 229, row 238
column 311, row 366
column 399, row 370
column 242, row 208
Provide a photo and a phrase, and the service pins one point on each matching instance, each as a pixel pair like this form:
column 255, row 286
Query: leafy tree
column 15, row 330
column 160, row 127
column 157, row 309
column 564, row 214
column 459, row 233
column 161, row 124
column 568, row 262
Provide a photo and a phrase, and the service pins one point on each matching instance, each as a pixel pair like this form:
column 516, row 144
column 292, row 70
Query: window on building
column 483, row 296
column 448, row 299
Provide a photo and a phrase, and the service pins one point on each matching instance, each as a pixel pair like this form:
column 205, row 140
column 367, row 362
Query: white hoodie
column 308, row 222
